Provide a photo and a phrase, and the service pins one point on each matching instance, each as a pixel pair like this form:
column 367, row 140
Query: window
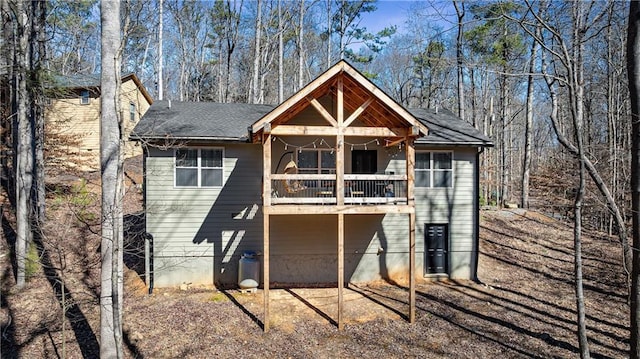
column 132, row 112
column 198, row 167
column 84, row 97
column 316, row 161
column 434, row 169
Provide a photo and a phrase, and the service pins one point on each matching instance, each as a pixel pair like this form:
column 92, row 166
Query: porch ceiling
column 359, row 94
column 377, row 113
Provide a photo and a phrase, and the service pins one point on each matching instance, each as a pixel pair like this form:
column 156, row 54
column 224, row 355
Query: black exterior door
column 364, row 161
column 436, row 243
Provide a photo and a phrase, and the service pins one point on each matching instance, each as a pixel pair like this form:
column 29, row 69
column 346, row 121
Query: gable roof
column 93, row 82
column 208, row 121
column 380, row 109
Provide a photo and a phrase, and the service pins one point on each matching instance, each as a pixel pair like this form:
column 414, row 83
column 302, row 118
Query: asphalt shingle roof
column 445, row 128
column 230, row 121
column 198, row 120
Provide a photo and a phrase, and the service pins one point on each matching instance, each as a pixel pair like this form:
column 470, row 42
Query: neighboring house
column 318, row 185
column 73, row 118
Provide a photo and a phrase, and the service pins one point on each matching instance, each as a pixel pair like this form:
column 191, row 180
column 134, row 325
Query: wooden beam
column 375, row 132
column 357, row 112
column 297, row 97
column 323, row 111
column 340, row 270
column 266, row 203
column 391, row 143
column 301, row 130
column 340, row 144
column 340, row 101
column 285, row 209
column 412, row 267
column 384, row 98
column 266, row 170
column 411, row 175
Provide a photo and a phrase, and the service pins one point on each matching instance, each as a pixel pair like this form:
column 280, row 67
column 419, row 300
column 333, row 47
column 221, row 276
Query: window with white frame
column 434, row 169
column 132, row 112
column 84, row 97
column 200, row 167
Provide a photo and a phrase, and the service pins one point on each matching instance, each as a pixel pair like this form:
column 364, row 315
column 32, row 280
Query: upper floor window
column 199, row 167
column 316, row 161
column 132, row 112
column 434, row 169
column 84, row 97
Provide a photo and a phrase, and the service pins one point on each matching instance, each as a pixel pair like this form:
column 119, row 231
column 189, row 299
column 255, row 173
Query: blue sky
column 389, row 12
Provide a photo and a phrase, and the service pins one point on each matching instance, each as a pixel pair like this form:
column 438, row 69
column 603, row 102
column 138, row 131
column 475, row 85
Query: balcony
column 320, row 189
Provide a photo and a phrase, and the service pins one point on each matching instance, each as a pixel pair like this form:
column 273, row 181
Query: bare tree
column 111, row 296
column 528, row 136
column 24, row 138
column 255, row 88
column 633, row 69
column 160, row 48
column 459, row 57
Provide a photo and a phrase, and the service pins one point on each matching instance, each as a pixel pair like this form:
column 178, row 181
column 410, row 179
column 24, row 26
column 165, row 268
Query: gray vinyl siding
column 200, row 233
column 454, row 207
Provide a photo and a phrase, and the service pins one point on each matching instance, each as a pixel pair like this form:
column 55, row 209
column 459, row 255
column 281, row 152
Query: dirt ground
column 523, row 305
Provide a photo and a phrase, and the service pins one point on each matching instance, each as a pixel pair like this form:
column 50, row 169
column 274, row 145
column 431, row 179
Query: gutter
column 189, row 138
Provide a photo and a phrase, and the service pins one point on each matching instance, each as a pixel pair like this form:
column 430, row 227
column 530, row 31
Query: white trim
column 134, row 112
column 432, row 169
column 198, row 167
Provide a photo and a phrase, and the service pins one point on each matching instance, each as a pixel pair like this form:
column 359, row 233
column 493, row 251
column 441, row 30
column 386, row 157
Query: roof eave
column 189, row 138
column 454, row 144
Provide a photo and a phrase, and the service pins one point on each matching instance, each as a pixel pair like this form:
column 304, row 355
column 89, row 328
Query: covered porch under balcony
column 340, row 146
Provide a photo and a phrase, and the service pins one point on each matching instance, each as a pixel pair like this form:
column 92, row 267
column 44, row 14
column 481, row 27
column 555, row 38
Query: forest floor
column 522, row 306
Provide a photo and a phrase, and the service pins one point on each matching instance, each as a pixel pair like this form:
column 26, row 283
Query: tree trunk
column 38, row 58
column 578, row 121
column 111, row 176
column 255, row 89
column 329, row 33
column 160, row 59
column 459, row 57
column 24, row 154
column 633, row 70
column 526, row 165
column 301, row 46
column 280, row 54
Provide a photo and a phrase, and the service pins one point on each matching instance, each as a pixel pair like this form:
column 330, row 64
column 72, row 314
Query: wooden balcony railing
column 320, row 189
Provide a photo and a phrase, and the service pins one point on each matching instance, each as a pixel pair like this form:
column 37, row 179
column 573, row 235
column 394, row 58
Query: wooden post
column 266, row 170
column 410, row 155
column 340, row 268
column 340, row 144
column 266, row 204
column 265, row 259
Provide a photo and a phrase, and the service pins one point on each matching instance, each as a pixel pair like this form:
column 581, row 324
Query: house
column 319, row 185
column 72, row 117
